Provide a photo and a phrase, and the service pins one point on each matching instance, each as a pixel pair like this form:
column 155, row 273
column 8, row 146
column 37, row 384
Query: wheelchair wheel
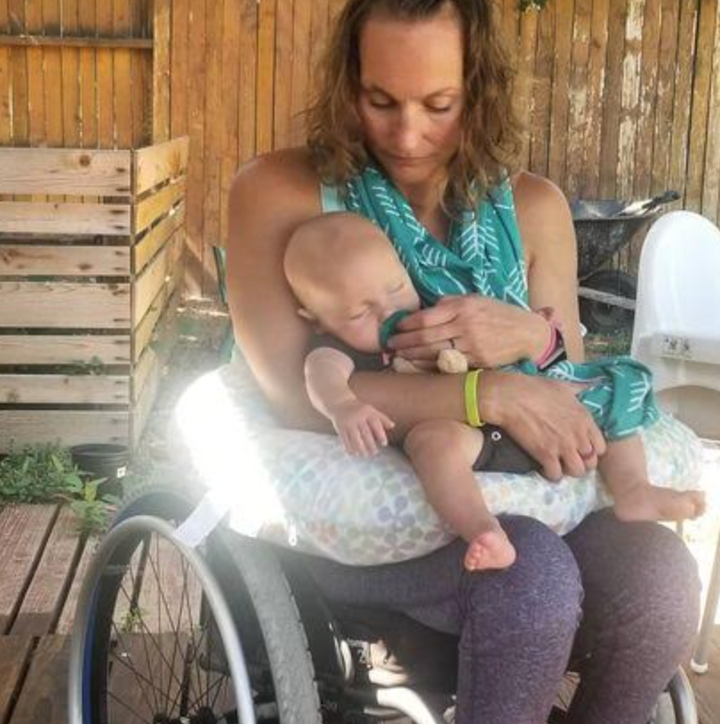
column 158, row 639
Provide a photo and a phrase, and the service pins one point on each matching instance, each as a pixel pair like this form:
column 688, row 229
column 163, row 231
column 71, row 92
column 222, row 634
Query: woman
column 420, row 89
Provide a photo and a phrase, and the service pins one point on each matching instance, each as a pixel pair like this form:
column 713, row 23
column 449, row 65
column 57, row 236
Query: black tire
column 266, row 617
column 602, row 318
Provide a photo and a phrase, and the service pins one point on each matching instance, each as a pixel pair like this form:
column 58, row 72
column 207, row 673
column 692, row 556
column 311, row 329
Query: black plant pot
column 106, row 461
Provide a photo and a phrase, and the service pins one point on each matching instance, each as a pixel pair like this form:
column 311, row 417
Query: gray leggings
column 620, row 600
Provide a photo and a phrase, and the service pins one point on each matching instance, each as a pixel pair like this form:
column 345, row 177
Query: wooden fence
column 86, row 289
column 622, row 97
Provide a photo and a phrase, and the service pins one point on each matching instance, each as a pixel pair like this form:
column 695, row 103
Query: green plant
column 38, row 473
column 92, row 511
column 45, row 474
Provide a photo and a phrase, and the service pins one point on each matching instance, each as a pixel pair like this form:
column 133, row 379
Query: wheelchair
column 233, row 631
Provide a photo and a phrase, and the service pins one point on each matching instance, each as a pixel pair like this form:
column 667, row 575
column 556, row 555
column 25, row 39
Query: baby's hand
column 361, row 427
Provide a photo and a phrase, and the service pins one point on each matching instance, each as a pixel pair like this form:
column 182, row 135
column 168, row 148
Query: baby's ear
column 307, row 315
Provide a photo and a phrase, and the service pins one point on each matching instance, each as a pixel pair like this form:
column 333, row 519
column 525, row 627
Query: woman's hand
column 490, row 333
column 545, row 418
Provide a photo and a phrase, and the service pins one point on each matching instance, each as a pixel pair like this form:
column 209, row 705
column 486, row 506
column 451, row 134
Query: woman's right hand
column 545, row 418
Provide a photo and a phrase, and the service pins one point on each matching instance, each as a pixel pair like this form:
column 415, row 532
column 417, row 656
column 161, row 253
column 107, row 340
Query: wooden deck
column 42, row 562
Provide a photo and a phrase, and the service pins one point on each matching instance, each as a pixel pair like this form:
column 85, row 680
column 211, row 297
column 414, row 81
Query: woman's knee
column 542, row 590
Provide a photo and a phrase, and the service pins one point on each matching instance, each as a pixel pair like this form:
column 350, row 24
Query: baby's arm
column 360, row 426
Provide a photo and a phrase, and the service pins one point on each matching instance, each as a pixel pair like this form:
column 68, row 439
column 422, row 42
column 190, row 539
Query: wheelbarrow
column 602, row 228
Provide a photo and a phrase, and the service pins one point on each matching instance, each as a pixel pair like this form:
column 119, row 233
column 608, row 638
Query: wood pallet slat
column 15, row 654
column 23, row 530
column 82, row 261
column 80, row 306
column 65, row 349
column 43, row 697
column 43, row 600
column 49, row 389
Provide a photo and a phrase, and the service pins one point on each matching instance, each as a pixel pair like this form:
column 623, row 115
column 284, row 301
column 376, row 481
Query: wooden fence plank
column 54, row 218
column 665, row 95
column 578, row 120
column 88, row 103
column 161, row 71
column 542, row 91
column 196, row 126
column 559, row 118
column 524, row 90
column 300, row 85
column 44, row 693
column 142, row 336
column 711, row 178
column 73, row 427
column 213, row 147
column 41, row 605
column 157, row 273
column 15, row 654
column 123, row 77
column 682, row 102
column 53, row 76
column 64, row 389
column 612, row 101
column 701, row 90
column 64, row 171
column 642, row 176
column 35, row 79
column 156, row 355
column 105, row 79
column 67, row 617
column 179, row 59
column 18, row 61
column 156, row 237
column 26, row 349
column 159, row 163
column 265, row 75
column 596, row 89
column 141, row 74
column 73, row 305
column 233, row 28
column 23, row 529
column 70, row 71
column 283, row 72
column 629, row 98
column 157, row 205
column 26, row 260
column 5, row 91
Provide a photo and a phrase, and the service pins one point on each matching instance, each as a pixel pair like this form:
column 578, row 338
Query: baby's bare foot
column 490, row 549
column 647, row 502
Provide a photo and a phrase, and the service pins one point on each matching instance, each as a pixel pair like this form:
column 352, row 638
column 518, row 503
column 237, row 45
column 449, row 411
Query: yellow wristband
column 472, row 413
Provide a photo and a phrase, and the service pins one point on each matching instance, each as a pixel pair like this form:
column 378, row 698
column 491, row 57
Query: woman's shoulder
column 540, row 205
column 284, row 178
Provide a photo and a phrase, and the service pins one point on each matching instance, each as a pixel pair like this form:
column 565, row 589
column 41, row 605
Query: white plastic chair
column 677, row 335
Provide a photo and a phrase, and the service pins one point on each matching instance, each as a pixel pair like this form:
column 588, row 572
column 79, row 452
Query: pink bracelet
column 550, row 349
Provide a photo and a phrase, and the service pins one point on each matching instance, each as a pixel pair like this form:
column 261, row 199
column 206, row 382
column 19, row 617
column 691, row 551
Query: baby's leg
column 624, row 471
column 443, row 453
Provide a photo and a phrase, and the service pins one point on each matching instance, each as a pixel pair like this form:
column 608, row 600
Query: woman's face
column 410, row 98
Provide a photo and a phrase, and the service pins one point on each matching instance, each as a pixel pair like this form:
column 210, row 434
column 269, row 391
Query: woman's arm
column 269, row 198
column 550, row 253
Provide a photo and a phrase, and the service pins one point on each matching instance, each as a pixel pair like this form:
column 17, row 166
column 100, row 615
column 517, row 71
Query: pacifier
column 389, row 327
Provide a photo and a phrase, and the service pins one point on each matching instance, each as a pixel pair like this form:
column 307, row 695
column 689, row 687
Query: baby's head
column 348, row 278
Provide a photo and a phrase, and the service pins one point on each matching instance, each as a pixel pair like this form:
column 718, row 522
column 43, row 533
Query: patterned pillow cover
column 301, row 489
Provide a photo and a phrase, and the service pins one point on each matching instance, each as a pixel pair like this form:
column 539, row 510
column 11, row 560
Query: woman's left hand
column 490, row 333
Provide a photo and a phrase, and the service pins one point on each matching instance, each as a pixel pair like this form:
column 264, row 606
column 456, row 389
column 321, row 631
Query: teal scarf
column 484, row 256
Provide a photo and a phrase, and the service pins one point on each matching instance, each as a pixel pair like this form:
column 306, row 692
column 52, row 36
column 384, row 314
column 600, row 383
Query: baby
column 350, row 282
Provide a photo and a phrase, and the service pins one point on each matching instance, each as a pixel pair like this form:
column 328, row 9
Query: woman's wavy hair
column 491, row 132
